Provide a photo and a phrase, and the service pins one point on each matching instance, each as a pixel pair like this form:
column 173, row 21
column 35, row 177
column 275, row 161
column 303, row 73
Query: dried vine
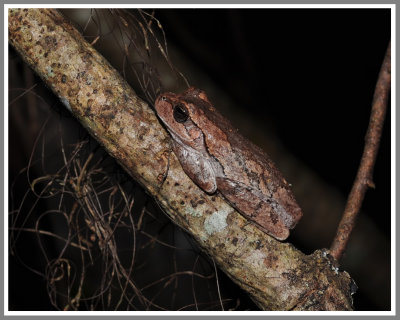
column 364, row 178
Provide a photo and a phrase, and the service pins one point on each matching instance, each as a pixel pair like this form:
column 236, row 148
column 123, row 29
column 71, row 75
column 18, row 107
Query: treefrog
column 218, row 158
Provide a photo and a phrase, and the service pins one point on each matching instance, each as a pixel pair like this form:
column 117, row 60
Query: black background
column 312, row 71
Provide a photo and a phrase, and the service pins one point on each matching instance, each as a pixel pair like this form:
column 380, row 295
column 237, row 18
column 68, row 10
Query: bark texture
column 275, row 274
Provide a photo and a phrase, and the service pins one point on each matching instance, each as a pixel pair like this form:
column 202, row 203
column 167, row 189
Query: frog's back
column 244, row 164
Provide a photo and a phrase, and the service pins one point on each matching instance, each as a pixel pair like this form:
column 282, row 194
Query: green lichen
column 216, row 222
column 50, row 72
column 193, row 212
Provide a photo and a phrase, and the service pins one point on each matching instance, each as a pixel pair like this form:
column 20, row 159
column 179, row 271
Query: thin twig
column 365, row 170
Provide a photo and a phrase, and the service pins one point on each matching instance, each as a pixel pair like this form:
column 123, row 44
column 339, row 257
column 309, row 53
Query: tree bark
column 276, row 275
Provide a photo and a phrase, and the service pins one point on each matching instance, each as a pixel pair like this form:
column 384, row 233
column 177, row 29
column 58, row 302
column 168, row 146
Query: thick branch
column 365, row 171
column 276, row 275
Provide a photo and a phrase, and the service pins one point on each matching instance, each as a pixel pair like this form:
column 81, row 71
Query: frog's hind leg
column 255, row 206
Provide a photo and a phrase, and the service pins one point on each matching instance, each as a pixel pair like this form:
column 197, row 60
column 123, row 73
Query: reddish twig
column 365, row 170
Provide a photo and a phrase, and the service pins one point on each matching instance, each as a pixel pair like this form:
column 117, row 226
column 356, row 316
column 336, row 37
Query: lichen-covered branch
column 275, row 274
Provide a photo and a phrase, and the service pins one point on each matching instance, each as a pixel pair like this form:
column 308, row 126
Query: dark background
column 308, row 73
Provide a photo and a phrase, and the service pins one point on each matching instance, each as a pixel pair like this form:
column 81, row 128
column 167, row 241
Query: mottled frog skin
column 217, row 157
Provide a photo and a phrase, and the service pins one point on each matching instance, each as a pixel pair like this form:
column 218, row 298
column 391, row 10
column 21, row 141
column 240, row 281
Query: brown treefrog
column 216, row 157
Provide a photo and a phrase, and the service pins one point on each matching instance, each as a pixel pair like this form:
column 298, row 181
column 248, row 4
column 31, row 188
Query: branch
column 365, row 171
column 276, row 275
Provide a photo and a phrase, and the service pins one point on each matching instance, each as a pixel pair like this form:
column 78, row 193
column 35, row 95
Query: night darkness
column 309, row 73
column 313, row 71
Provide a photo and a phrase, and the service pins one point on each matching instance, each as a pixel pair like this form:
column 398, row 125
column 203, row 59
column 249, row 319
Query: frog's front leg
column 198, row 167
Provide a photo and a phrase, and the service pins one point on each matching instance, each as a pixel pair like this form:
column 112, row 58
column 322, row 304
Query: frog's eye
column 181, row 114
column 164, row 98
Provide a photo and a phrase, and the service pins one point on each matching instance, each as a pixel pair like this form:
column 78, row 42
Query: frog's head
column 176, row 113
